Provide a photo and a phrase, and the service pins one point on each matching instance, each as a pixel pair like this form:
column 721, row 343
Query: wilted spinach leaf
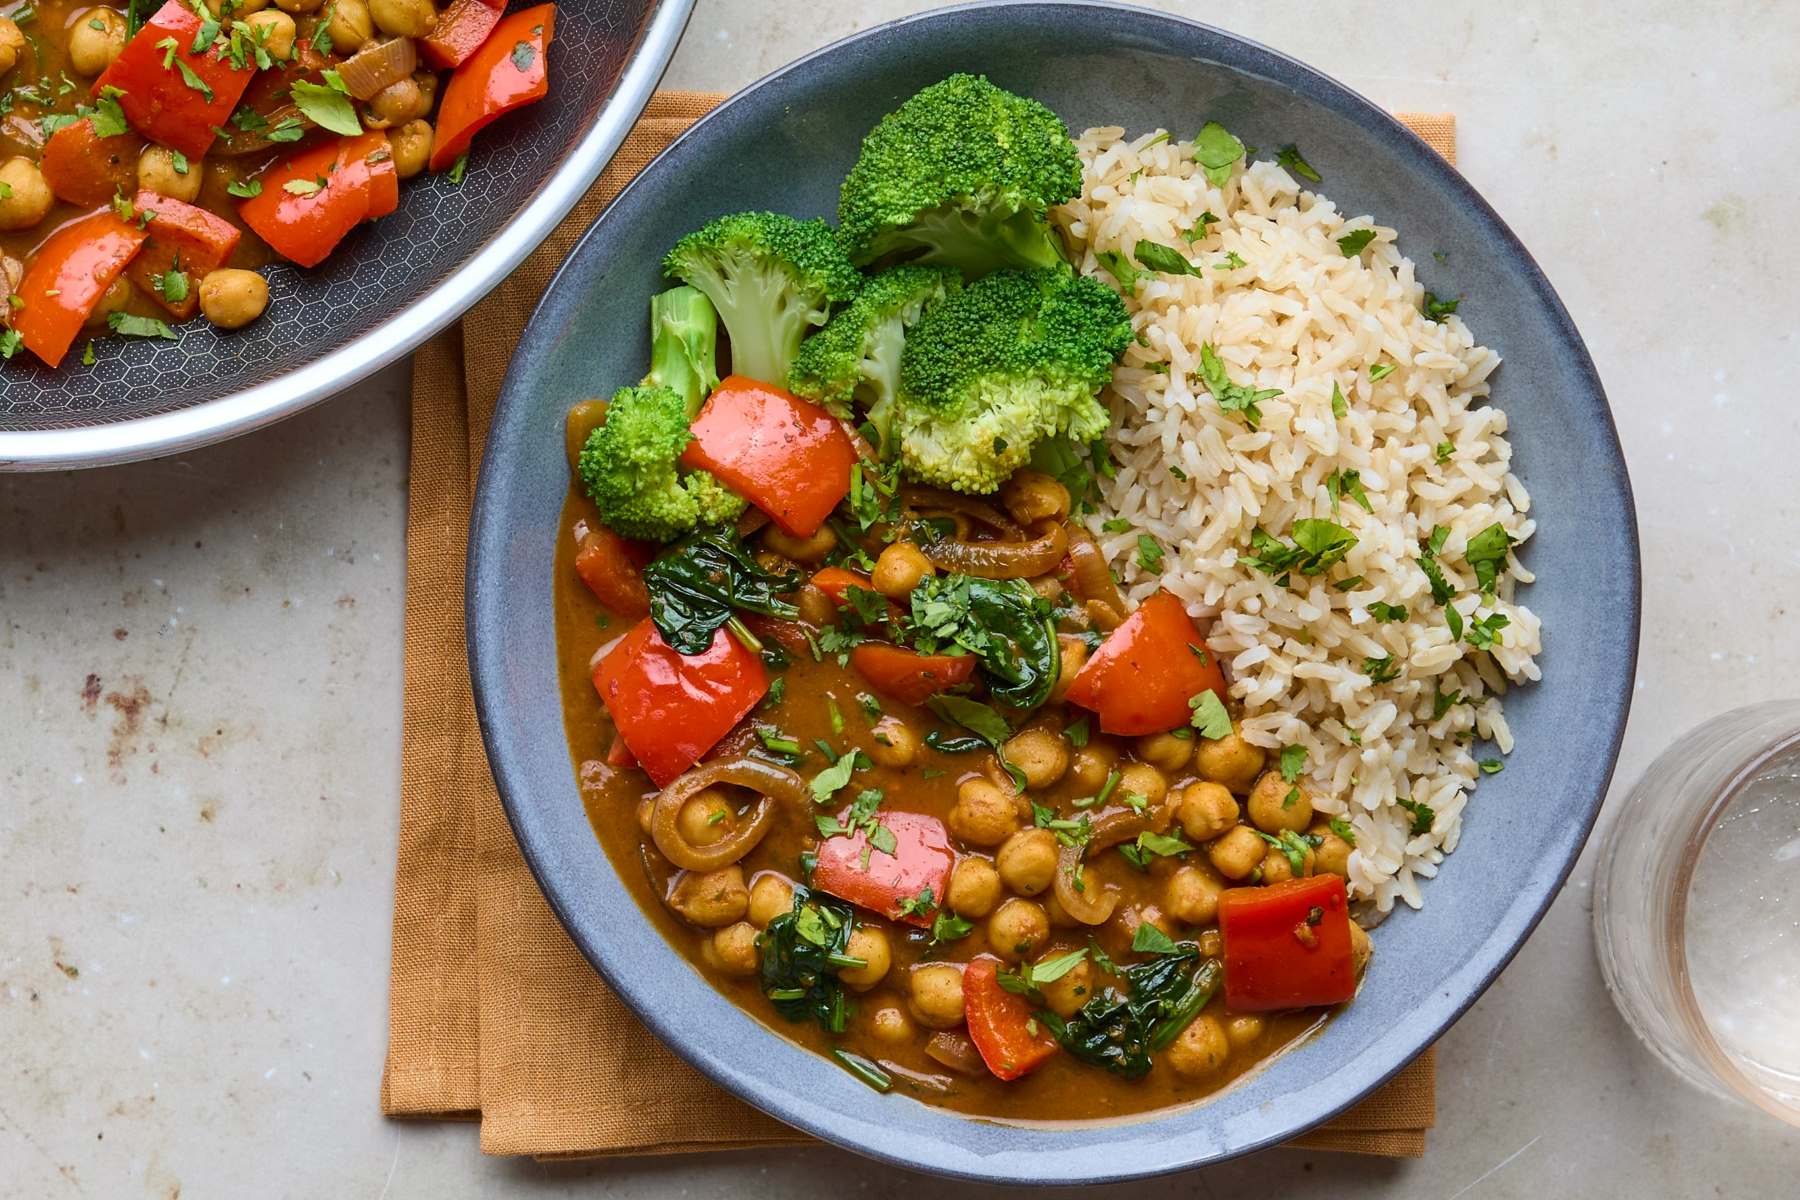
column 695, row 587
column 1120, row 1031
column 802, row 950
column 1004, row 623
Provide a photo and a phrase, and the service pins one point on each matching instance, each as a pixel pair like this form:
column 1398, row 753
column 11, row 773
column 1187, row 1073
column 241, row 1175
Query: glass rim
column 1687, row 1005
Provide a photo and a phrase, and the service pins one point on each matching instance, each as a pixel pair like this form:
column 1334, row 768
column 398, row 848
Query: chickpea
column 801, row 549
column 1237, row 853
column 1040, row 753
column 231, row 298
column 896, row 745
column 276, row 31
column 646, row 813
column 1361, row 948
column 869, row 943
column 1016, row 929
column 402, row 18
column 298, row 6
column 734, row 949
column 395, row 104
column 1241, row 1029
column 1278, row 868
column 411, row 144
column 1142, row 779
column 710, row 899
column 770, row 896
column 1059, row 916
column 96, row 39
column 705, row 818
column 12, row 44
column 899, row 569
column 1090, row 766
column 983, row 814
column 1070, row 991
column 1074, row 657
column 1027, row 861
column 1167, row 752
column 1211, row 943
column 1206, row 810
column 889, row 1023
column 1333, row 852
column 1200, row 1049
column 1047, row 587
column 1031, row 496
column 159, row 171
column 974, row 888
column 349, row 26
column 113, row 300
column 235, row 9
column 1191, row 895
column 816, row 608
column 26, row 199
column 937, row 995
column 1229, row 760
column 1275, row 804
column 428, row 86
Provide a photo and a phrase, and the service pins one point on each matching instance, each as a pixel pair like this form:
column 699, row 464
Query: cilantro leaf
column 1163, row 259
column 1293, row 762
column 1436, row 309
column 1210, row 717
column 1289, row 157
column 327, row 104
column 1120, row 268
column 1149, row 554
column 1422, row 815
column 131, row 325
column 1231, row 397
column 1148, row 939
column 1353, row 244
column 1486, row 552
column 1217, row 151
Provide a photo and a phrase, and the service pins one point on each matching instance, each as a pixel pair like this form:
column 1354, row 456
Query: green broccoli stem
column 684, row 335
column 766, row 322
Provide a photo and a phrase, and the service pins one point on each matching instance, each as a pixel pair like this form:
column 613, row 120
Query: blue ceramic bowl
column 784, row 144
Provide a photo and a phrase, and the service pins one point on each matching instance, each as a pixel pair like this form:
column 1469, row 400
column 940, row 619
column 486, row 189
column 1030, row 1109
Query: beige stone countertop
column 200, row 679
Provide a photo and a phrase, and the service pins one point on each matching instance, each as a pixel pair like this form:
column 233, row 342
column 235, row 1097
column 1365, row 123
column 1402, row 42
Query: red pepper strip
column 670, row 709
column 619, row 755
column 183, row 238
column 790, row 458
column 462, row 26
column 88, row 170
column 1011, row 1041
column 1287, row 945
column 907, row 675
column 850, row 869
column 1146, row 671
column 608, row 564
column 66, row 278
column 355, row 179
column 158, row 100
column 836, row 582
column 508, row 71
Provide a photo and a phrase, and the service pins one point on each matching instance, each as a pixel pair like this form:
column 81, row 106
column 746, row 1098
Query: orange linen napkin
column 493, row 1013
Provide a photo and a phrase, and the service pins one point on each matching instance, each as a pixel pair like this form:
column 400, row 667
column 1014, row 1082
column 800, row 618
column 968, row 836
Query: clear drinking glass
column 1697, row 907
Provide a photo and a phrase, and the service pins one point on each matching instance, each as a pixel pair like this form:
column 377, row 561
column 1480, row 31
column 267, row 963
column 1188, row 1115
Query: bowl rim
column 1486, row 958
column 272, row 400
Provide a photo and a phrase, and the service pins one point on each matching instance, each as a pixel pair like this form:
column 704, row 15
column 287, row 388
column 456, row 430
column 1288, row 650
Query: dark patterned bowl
column 785, row 143
column 392, row 284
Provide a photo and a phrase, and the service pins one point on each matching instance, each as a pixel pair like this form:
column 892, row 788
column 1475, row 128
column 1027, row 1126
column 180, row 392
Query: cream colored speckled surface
column 199, row 678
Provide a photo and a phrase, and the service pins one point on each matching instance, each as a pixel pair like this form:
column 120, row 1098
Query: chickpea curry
column 153, row 156
column 855, row 702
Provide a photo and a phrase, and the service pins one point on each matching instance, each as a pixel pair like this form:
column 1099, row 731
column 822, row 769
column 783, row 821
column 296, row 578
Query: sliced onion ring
column 1094, row 905
column 378, row 65
column 1093, row 580
column 776, row 785
column 1049, row 540
column 921, row 499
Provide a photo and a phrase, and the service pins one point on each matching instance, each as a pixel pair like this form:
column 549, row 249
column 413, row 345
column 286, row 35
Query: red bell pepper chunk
column 788, row 457
column 183, row 238
column 66, row 278
column 669, row 708
column 611, row 567
column 507, row 71
column 1012, row 1042
column 907, row 675
column 88, row 170
column 1287, row 945
column 462, row 26
column 342, row 184
column 161, row 101
column 619, row 755
column 850, row 869
column 836, row 583
column 1147, row 670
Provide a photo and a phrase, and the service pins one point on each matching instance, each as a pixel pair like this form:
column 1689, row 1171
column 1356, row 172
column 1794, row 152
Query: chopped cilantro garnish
column 1289, row 157
column 1210, row 717
column 1353, row 244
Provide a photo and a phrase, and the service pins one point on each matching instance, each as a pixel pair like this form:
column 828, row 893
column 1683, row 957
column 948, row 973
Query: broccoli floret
column 772, row 278
column 965, row 174
column 629, row 465
column 856, row 357
column 997, row 367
